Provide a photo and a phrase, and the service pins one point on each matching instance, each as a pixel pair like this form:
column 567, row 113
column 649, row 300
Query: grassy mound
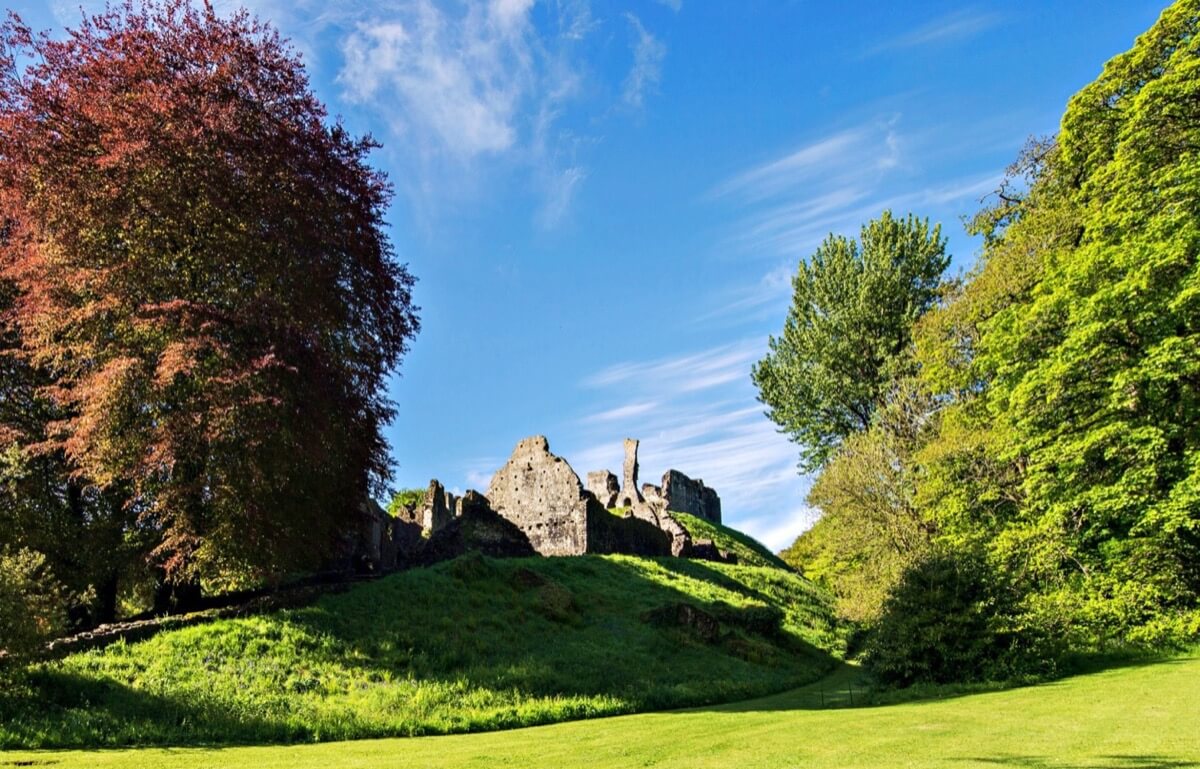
column 748, row 550
column 472, row 644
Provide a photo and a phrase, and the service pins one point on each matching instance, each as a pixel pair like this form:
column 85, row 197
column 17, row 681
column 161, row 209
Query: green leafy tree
column 848, row 331
column 405, row 498
column 1068, row 363
column 941, row 623
column 1096, row 375
column 870, row 529
column 32, row 602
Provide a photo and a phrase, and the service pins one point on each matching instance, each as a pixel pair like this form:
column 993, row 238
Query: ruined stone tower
column 630, row 495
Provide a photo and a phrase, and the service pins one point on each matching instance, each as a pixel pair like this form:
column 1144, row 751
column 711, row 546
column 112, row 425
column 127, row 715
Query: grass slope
column 748, row 550
column 1131, row 718
column 472, row 644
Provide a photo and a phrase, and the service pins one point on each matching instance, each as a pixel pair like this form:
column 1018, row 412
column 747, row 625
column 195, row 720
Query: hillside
column 471, row 644
column 1138, row 717
column 749, row 551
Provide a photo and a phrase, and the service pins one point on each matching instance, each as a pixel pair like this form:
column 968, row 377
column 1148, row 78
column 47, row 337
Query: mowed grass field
column 1138, row 717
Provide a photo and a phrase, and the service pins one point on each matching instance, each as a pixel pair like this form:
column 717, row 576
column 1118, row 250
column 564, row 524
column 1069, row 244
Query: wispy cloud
column 622, row 412
column 842, row 161
column 768, row 295
column 648, row 55
column 795, row 229
column 774, row 176
column 489, row 86
column 686, row 373
column 782, row 208
column 674, row 5
column 457, row 81
column 561, row 186
column 957, row 26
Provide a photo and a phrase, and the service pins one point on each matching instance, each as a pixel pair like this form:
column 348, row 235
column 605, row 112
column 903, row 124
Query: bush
column 32, row 602
column 944, row 623
column 412, row 498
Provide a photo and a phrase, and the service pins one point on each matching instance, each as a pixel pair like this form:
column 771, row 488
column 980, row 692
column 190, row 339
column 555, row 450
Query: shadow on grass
column 1101, row 762
column 56, row 709
column 479, row 644
column 597, row 644
column 848, row 686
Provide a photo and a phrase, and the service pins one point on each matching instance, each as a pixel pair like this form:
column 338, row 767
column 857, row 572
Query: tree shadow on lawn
column 64, row 710
column 848, row 686
column 1100, row 762
column 505, row 631
column 530, row 634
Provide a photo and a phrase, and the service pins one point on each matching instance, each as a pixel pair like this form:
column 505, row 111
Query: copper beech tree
column 202, row 273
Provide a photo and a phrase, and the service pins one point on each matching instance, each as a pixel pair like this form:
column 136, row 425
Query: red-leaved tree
column 202, row 273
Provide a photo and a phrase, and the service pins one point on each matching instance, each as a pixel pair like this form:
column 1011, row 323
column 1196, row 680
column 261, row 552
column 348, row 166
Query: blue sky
column 604, row 201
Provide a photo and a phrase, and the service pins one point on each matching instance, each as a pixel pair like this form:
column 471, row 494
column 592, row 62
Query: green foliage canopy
column 850, row 324
column 32, row 601
column 871, row 530
column 1060, row 480
column 1095, row 376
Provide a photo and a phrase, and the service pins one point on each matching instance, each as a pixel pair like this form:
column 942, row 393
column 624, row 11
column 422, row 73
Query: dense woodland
column 1008, row 462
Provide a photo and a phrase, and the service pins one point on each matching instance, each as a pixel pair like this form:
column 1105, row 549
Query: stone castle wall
column 546, row 510
column 542, row 495
column 684, row 495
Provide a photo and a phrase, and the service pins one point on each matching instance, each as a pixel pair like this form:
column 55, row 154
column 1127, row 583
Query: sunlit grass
column 473, row 644
column 749, row 551
column 1139, row 717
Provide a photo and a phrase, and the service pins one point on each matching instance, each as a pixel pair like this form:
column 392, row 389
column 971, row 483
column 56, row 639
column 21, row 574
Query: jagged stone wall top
column 684, row 495
column 434, row 513
column 604, row 487
column 542, row 495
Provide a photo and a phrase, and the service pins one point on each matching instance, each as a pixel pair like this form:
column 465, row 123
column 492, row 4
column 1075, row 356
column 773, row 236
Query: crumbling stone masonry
column 684, row 495
column 654, row 504
column 536, row 503
column 542, row 495
column 436, row 513
column 604, row 487
column 630, row 494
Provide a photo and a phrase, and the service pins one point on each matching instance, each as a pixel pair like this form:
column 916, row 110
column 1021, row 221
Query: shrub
column 944, row 623
column 413, row 498
column 32, row 602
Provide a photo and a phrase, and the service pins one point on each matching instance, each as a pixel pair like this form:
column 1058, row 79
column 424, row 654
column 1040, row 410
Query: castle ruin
column 537, row 498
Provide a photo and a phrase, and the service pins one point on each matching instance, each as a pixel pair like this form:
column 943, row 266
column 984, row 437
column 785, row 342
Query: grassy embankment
column 1137, row 717
column 472, row 644
column 749, row 551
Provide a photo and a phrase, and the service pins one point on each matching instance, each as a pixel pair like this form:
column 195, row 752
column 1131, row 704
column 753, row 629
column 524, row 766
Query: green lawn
column 469, row 645
column 1140, row 717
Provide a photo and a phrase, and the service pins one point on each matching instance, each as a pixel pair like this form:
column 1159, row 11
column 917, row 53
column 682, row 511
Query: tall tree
column 850, row 325
column 871, row 530
column 1096, row 375
column 202, row 269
